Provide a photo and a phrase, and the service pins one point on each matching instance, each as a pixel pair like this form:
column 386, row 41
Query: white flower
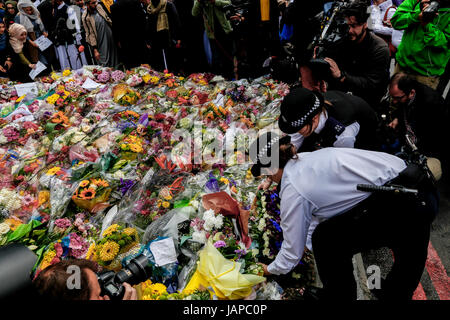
column 4, row 228
column 199, row 236
column 118, row 175
column 3, row 139
column 266, row 252
column 211, row 220
column 195, row 204
column 265, row 237
column 255, row 252
column 219, row 221
column 261, row 224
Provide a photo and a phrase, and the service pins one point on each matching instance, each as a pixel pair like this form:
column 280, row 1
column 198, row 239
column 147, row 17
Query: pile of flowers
column 135, row 157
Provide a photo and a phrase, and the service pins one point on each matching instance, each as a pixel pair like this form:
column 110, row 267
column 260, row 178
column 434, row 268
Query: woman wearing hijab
column 29, row 17
column 10, row 12
column 21, row 64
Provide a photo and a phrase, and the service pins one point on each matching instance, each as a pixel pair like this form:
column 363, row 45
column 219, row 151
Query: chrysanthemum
column 129, row 231
column 157, row 288
column 109, row 251
column 110, row 230
column 87, row 194
column 91, row 252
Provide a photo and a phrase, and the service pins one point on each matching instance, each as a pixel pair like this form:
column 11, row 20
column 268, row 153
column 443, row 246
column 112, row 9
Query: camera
column 135, row 272
column 430, row 12
column 236, row 9
column 334, row 28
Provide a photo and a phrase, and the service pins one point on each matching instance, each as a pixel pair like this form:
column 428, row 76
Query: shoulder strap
column 387, row 11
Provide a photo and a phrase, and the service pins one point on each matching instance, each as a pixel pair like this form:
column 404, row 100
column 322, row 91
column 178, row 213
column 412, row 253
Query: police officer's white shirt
column 345, row 140
column 321, row 184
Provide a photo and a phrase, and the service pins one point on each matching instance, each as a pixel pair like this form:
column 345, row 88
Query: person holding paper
column 29, row 17
column 21, row 64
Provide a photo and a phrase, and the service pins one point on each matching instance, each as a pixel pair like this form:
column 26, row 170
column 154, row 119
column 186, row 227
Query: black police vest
column 344, row 110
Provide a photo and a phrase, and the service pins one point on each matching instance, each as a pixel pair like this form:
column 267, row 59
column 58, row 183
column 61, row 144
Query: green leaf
column 50, row 127
column 181, row 203
column 20, row 232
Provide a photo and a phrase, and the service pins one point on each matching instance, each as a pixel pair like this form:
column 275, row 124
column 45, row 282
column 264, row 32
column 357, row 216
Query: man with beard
column 360, row 62
column 420, row 113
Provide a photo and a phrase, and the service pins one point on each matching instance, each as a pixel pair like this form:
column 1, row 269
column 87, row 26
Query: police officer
column 331, row 119
column 323, row 184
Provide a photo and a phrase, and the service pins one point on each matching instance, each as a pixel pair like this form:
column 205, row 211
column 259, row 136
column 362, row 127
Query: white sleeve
column 377, row 23
column 347, row 138
column 296, row 213
column 74, row 20
column 297, row 140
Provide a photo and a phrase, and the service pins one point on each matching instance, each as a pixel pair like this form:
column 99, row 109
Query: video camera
column 237, row 8
column 334, row 29
column 135, row 272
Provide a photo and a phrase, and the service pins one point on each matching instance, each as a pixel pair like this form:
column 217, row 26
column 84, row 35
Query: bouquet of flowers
column 92, row 195
column 116, row 243
column 124, row 95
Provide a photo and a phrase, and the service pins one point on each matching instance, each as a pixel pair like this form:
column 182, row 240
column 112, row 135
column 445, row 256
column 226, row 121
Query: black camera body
column 430, row 12
column 334, row 29
column 135, row 272
column 236, row 8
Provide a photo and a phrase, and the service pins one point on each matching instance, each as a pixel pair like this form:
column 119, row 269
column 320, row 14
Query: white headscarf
column 15, row 30
column 25, row 18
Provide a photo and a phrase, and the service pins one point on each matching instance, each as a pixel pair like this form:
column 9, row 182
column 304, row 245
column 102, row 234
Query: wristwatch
column 342, row 76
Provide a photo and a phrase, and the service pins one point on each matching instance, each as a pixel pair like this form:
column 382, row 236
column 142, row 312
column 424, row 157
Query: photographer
column 218, row 29
column 420, row 113
column 359, row 63
column 52, row 282
column 423, row 52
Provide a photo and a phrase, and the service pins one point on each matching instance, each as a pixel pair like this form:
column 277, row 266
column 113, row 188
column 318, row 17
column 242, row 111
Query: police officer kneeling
column 331, row 119
column 323, row 184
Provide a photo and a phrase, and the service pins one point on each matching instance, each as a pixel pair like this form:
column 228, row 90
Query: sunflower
column 91, row 251
column 129, row 231
column 110, row 230
column 43, row 197
column 157, row 288
column 102, row 183
column 87, row 194
column 109, row 251
column 13, row 223
column 136, row 147
column 53, row 171
column 84, row 183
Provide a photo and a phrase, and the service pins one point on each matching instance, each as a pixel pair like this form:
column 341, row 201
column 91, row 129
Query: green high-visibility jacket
column 424, row 49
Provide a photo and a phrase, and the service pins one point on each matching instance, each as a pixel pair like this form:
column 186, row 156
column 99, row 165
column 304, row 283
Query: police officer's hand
column 266, row 273
column 130, row 292
column 265, row 184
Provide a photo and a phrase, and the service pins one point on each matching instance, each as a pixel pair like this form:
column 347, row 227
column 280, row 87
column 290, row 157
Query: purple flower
column 212, row 186
column 144, row 120
column 220, row 244
column 125, row 185
column 240, row 253
column 78, row 246
column 103, row 77
column 117, row 75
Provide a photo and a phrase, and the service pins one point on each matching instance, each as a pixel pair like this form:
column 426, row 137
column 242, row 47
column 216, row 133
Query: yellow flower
column 158, row 288
column 110, row 230
column 109, row 251
column 168, row 197
column 67, row 72
column 129, row 231
column 84, row 183
column 49, row 255
column 53, row 171
column 124, row 146
column 146, row 284
column 87, row 194
column 136, row 148
column 91, row 252
column 224, row 180
column 13, row 223
column 54, row 76
column 146, row 78
column 21, row 98
column 52, row 99
column 166, row 204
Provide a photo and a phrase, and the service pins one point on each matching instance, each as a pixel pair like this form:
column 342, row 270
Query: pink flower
column 117, row 75
column 58, row 249
column 63, row 223
column 11, row 133
column 27, row 200
column 220, row 244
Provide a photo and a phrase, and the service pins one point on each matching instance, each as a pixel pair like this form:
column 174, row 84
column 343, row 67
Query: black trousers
column 399, row 222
